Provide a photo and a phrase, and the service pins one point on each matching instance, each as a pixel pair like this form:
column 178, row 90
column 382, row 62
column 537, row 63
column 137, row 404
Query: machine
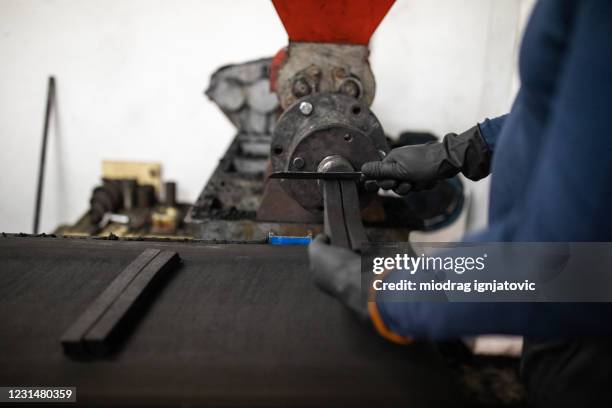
column 226, row 314
column 307, row 109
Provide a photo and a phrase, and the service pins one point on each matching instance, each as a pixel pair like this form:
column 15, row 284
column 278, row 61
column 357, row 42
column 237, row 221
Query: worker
column 550, row 161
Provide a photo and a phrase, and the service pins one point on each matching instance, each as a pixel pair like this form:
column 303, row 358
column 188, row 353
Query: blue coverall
column 551, row 172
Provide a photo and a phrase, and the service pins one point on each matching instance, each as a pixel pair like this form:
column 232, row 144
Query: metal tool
column 315, row 175
column 341, row 215
column 341, row 207
column 43, row 152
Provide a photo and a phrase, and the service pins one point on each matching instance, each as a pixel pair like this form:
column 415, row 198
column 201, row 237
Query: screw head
column 301, row 88
column 350, row 88
column 298, row 163
column 306, row 108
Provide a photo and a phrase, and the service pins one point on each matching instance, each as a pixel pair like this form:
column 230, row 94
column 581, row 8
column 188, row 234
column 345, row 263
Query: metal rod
column 333, row 214
column 352, row 215
column 313, row 175
column 43, row 152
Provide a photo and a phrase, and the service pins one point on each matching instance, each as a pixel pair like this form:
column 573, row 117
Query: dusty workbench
column 235, row 324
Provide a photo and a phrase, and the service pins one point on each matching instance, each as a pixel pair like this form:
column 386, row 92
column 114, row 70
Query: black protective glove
column 337, row 271
column 420, row 167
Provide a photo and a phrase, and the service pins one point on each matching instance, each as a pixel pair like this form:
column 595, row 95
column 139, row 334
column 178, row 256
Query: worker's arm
column 337, row 271
column 490, row 130
column 420, row 167
column 567, row 200
column 439, row 321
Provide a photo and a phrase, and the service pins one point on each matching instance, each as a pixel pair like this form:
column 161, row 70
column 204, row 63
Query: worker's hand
column 420, row 167
column 337, row 271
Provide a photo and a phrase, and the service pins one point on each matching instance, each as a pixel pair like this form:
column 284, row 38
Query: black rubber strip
column 94, row 332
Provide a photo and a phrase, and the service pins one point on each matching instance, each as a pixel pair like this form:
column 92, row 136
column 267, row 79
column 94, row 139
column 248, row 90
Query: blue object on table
column 288, row 240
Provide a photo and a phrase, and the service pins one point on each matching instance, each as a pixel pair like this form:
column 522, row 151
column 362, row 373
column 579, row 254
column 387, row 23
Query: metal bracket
column 342, row 215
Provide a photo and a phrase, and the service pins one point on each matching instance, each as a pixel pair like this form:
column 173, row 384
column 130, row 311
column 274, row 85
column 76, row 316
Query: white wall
column 130, row 77
column 445, row 65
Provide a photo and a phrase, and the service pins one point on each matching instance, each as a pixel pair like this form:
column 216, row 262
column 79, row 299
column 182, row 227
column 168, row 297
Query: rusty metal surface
column 278, row 206
column 239, row 203
column 228, row 193
column 309, row 68
column 235, row 206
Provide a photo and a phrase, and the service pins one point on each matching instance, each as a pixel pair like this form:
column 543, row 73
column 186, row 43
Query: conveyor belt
column 237, row 324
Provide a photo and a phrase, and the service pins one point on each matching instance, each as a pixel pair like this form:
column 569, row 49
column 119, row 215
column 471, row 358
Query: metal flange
column 319, row 126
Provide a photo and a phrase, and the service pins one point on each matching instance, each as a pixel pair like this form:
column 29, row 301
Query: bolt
column 298, row 163
column 306, row 108
column 348, row 137
column 382, row 154
column 350, row 88
column 300, row 88
column 339, row 72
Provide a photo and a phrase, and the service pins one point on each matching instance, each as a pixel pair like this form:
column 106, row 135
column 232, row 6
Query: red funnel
column 332, row 21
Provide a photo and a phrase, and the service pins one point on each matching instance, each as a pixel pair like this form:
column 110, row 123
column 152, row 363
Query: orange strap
column 378, row 322
column 382, row 328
